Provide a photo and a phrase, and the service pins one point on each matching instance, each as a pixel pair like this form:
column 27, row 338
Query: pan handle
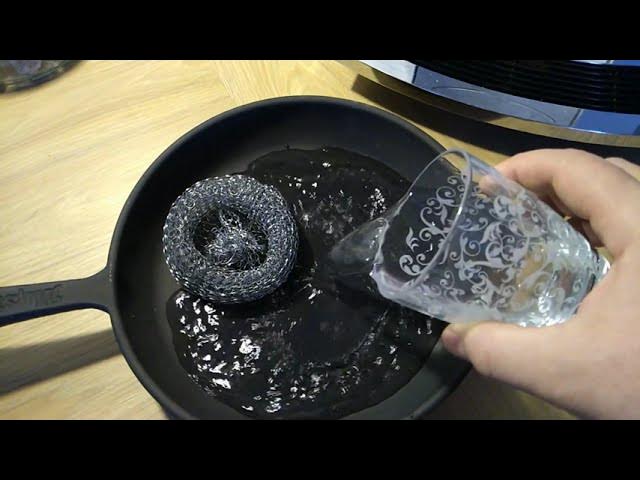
column 23, row 302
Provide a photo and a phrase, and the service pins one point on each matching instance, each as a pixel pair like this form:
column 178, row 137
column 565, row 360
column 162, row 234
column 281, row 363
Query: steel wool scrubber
column 230, row 239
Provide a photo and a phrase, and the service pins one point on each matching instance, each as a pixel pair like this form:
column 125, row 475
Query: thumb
column 526, row 358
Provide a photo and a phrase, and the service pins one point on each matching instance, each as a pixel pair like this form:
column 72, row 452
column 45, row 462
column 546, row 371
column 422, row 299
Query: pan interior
column 224, row 145
column 316, row 347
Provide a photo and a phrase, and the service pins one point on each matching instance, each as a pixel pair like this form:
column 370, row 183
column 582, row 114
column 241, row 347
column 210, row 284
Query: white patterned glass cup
column 467, row 244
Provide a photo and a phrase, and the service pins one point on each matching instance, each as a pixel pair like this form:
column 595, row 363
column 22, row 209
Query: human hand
column 589, row 365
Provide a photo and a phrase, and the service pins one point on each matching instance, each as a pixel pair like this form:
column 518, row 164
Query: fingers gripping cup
column 467, row 244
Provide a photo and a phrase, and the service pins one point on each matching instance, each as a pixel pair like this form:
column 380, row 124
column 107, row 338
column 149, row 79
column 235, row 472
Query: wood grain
column 71, row 150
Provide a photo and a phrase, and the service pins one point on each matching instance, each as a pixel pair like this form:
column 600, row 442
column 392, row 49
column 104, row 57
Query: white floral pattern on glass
column 509, row 256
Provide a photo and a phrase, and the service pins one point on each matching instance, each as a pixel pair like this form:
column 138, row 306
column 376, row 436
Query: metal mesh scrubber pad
column 230, row 239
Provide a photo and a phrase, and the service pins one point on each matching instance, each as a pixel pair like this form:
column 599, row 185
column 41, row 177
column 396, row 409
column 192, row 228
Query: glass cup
column 467, row 244
column 20, row 74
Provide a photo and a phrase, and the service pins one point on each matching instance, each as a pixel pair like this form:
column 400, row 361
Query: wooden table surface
column 72, row 149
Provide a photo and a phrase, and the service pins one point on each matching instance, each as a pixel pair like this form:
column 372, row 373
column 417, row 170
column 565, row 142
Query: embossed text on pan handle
column 23, row 302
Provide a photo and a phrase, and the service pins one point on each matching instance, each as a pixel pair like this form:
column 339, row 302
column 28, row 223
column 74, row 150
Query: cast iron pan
column 135, row 285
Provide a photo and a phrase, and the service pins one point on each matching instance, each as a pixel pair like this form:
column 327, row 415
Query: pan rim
column 167, row 403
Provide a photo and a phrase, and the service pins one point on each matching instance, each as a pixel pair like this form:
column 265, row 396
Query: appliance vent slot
column 603, row 87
